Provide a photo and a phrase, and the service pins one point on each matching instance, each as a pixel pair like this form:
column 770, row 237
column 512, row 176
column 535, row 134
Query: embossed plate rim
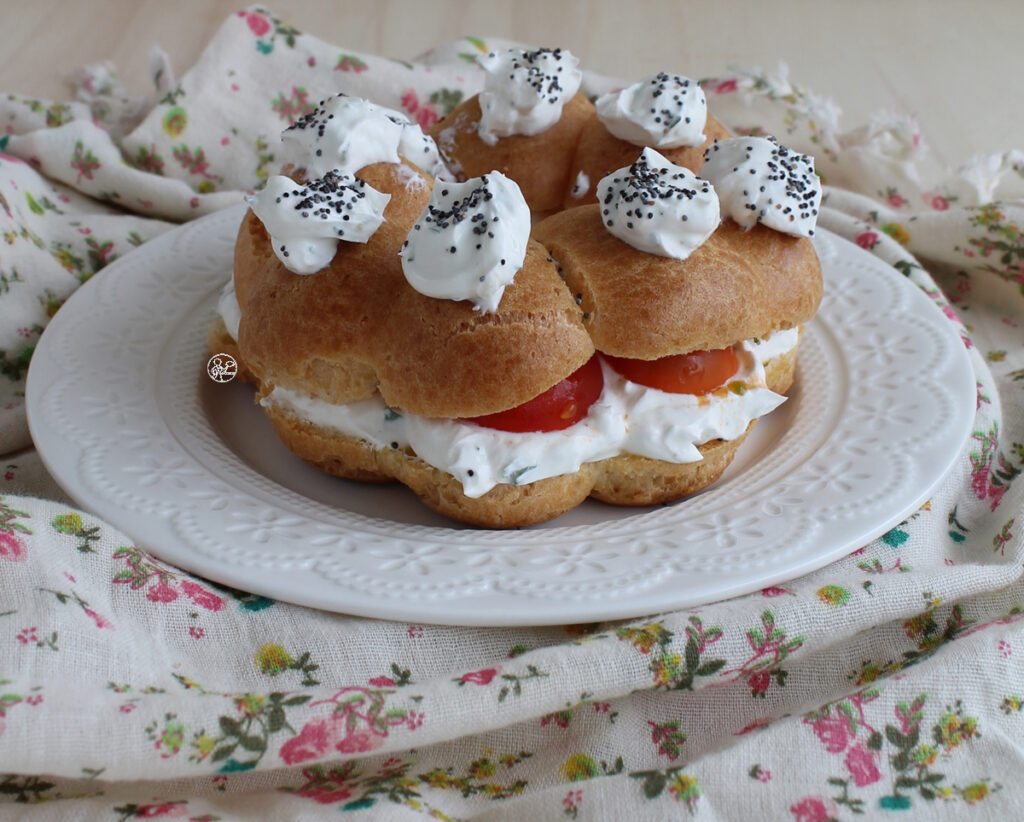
column 190, row 258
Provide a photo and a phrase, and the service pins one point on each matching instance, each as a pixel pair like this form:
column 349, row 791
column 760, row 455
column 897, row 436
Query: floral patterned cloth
column 891, row 680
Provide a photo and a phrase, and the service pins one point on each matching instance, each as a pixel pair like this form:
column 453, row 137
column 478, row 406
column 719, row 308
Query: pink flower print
column 814, row 809
column 101, row 622
column 861, row 765
column 414, row 632
column 561, row 719
column 349, row 62
column 866, row 240
column 950, row 313
column 759, row 682
column 726, row 86
column 83, row 161
column 8, row 475
column 1004, row 648
column 36, row 699
column 161, row 592
column 937, row 202
column 481, row 677
column 312, row 741
column 196, row 632
column 201, row 596
column 360, row 742
column 11, row 548
column 324, row 796
column 755, row 725
column 382, row 682
column 414, row 720
column 834, row 732
column 258, row 24
column 423, row 113
column 27, row 635
column 127, row 707
column 895, row 200
column 170, row 809
column 773, row 591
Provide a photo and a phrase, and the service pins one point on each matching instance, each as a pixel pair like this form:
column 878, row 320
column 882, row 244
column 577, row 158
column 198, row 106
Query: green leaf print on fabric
column 770, row 645
column 12, row 548
column 668, row 737
column 84, row 162
column 580, row 767
column 910, row 752
column 149, row 160
column 25, row 789
column 194, row 161
column 1011, row 704
column 350, row 62
column 1002, row 242
column 673, row 671
column 272, row 659
column 515, row 686
column 445, row 100
column 681, row 786
column 262, row 23
column 294, row 106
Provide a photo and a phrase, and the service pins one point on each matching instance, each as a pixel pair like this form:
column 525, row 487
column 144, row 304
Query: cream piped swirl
column 419, row 148
column 658, row 207
column 663, row 110
column 760, row 181
column 350, row 133
column 524, row 91
column 469, row 242
column 306, row 221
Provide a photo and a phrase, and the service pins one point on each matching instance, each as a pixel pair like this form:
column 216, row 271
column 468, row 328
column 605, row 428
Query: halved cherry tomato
column 695, row 373
column 562, row 405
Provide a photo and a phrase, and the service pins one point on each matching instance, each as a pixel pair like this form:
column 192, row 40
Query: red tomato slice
column 562, row 405
column 695, row 373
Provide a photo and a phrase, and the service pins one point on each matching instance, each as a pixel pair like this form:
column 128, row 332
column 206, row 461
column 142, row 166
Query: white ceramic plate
column 127, row 420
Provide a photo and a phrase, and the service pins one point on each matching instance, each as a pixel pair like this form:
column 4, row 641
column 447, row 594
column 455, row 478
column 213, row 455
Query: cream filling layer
column 626, row 419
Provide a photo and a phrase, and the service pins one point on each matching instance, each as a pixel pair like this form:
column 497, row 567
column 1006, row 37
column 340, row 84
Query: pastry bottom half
column 626, row 479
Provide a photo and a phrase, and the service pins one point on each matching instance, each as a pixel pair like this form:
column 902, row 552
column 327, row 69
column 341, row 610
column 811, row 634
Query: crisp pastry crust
column 736, row 286
column 539, row 163
column 441, row 358
column 599, row 153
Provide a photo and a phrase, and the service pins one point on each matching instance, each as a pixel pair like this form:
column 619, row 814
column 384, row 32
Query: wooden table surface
column 954, row 64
